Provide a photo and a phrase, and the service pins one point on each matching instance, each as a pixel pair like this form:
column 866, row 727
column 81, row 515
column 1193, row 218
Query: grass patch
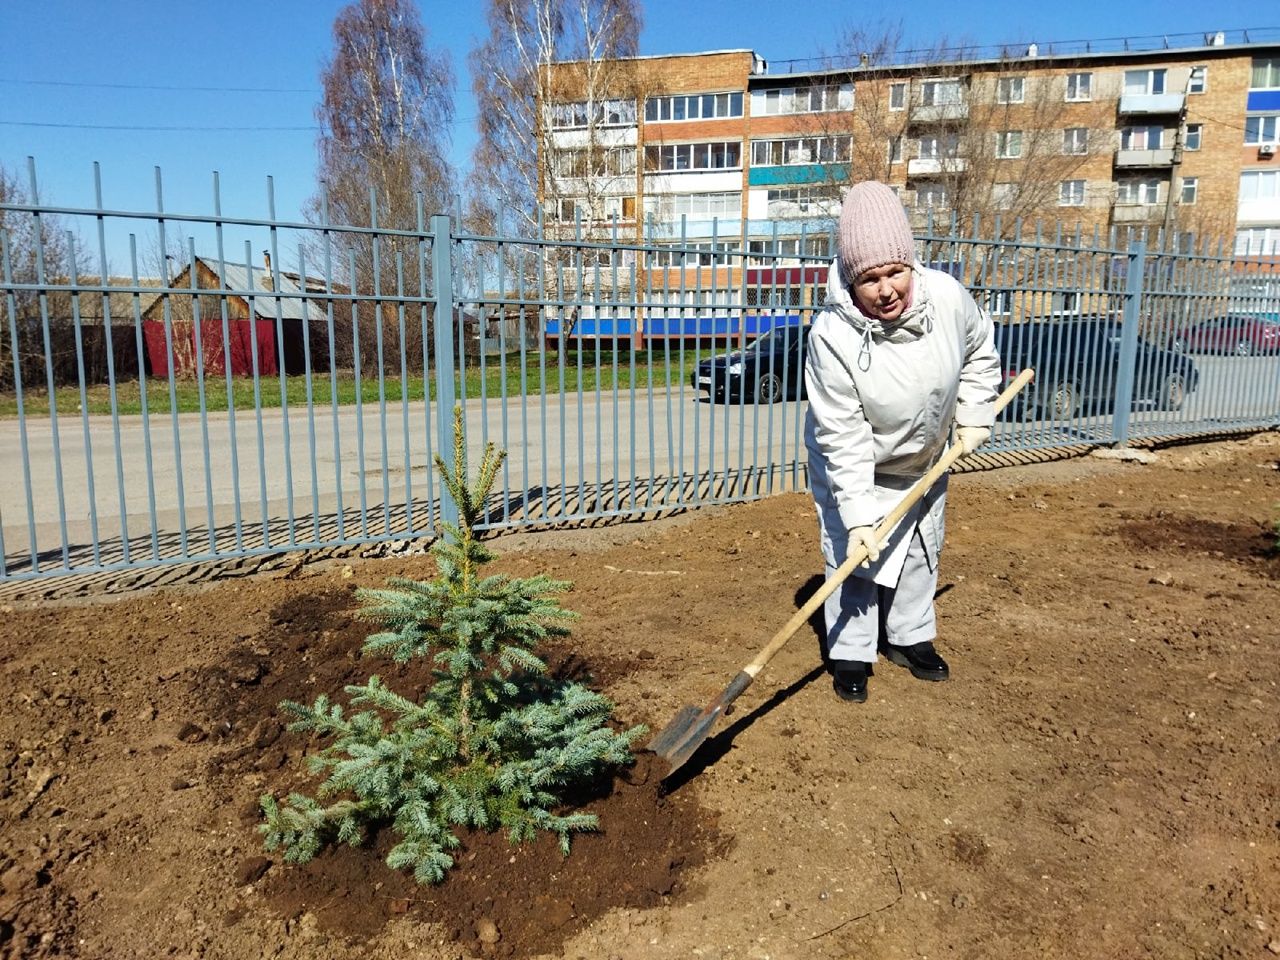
column 554, row 373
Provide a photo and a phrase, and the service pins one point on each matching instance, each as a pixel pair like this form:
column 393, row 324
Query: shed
column 268, row 315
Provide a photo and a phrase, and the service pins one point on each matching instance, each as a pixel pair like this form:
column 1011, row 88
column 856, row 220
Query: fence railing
column 197, row 402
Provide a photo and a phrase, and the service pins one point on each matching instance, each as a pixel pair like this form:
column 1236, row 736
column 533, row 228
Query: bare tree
column 520, row 165
column 385, row 117
column 34, row 250
column 1022, row 141
column 558, row 98
column 971, row 137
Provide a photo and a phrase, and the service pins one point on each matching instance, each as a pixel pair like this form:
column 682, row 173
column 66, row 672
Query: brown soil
column 1100, row 778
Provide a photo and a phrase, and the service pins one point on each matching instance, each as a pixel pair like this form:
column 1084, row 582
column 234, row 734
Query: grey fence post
column 446, row 393
column 1128, row 359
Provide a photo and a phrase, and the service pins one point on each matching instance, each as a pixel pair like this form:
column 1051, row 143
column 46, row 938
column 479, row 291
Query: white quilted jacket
column 882, row 399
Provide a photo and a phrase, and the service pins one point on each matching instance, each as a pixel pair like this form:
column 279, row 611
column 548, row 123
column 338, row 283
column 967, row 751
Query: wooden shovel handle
column 856, row 557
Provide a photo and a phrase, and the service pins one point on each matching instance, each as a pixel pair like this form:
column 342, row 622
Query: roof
column 1031, row 52
column 271, row 294
column 136, row 295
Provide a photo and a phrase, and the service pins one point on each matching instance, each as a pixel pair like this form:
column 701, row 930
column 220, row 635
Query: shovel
column 691, row 726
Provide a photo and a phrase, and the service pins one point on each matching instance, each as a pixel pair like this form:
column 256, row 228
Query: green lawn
column 581, row 372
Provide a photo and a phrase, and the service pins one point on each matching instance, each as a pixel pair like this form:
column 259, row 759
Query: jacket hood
column 914, row 322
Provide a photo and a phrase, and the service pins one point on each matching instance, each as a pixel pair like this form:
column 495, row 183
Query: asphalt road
column 149, row 476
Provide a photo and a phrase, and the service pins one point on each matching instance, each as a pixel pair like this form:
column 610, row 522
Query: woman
column 899, row 353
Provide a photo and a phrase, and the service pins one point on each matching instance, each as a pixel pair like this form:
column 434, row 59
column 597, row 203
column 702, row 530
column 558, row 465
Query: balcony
column 1136, row 212
column 728, row 229
column 1151, row 103
column 939, row 113
column 935, row 166
column 1144, row 158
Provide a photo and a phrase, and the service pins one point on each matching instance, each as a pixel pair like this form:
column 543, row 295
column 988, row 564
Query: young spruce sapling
column 495, row 742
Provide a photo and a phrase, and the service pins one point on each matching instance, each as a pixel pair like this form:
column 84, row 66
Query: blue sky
column 74, row 69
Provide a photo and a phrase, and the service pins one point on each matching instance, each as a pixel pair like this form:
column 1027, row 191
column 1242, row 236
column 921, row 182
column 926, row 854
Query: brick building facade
column 726, row 150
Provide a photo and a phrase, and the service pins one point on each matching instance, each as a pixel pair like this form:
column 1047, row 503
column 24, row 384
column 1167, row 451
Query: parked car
column 1076, row 363
column 1243, row 334
column 767, row 370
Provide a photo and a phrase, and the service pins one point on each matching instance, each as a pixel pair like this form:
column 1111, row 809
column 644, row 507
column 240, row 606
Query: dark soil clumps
column 1248, row 543
column 530, row 896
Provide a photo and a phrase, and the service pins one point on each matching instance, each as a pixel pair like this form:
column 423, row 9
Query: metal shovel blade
column 691, row 726
column 674, row 732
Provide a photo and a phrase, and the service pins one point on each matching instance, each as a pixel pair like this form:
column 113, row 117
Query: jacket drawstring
column 865, row 350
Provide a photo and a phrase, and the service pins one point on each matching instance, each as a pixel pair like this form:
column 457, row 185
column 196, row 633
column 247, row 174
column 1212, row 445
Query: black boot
column 850, row 681
column 921, row 659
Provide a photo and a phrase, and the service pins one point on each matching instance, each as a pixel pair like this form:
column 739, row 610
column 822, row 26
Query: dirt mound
column 515, row 901
column 530, row 897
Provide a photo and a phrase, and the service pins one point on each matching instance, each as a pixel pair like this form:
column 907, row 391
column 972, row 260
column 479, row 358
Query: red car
column 1242, row 334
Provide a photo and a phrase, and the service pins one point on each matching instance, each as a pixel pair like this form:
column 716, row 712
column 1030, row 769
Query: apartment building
column 723, row 149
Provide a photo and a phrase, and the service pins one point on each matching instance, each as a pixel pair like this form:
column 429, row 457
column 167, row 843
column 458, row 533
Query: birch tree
column 385, row 121
column 518, row 165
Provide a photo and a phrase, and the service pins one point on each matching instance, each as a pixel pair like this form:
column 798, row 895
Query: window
column 1139, row 191
column 766, row 294
column 895, row 149
column 571, row 209
column 1010, row 89
column 931, row 195
column 1199, row 77
column 1064, row 301
column 698, row 106
column 938, row 93
column 1189, row 186
column 583, row 162
column 1261, row 129
column 1266, row 73
column 691, row 301
column 688, row 255
column 1003, row 195
column 1260, row 185
column 1144, row 81
column 1075, row 140
column 1141, row 138
column 1071, row 193
column 574, row 208
column 1195, row 131
column 769, row 252
column 798, row 150
column 1079, row 86
column 817, row 98
column 604, row 113
column 619, row 208
column 939, row 146
column 1009, row 144
column 785, row 202
column 1257, row 240
column 695, row 206
column 897, row 96
column 999, row 302
column 674, row 157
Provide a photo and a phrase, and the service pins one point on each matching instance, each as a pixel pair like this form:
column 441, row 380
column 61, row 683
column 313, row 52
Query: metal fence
column 169, row 396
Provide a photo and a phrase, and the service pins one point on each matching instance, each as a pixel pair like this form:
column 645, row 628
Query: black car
column 769, row 369
column 1076, row 363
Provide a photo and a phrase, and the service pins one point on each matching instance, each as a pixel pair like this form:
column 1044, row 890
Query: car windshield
column 774, row 338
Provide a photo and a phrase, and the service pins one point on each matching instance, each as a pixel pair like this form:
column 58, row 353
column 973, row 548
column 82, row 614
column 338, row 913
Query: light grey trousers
column 862, row 611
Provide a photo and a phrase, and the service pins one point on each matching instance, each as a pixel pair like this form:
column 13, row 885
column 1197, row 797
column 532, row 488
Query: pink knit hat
column 873, row 230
